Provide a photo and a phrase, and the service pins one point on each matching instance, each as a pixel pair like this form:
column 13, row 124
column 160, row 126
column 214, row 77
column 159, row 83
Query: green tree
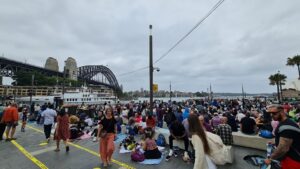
column 278, row 80
column 23, row 78
column 294, row 61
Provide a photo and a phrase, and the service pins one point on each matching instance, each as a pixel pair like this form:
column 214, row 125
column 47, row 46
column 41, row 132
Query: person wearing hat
column 287, row 139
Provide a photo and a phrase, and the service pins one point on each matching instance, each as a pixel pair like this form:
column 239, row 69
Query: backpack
column 265, row 134
column 137, row 156
column 161, row 140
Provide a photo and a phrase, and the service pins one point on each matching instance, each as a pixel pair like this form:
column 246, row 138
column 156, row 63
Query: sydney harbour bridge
column 91, row 74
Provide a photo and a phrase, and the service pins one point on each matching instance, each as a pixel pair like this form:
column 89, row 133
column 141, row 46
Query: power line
column 180, row 40
column 186, row 35
column 123, row 74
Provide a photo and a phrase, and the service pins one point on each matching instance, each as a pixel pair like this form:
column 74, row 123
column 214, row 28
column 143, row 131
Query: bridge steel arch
column 89, row 71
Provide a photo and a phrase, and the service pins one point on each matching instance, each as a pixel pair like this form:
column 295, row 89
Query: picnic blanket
column 152, row 161
column 120, row 137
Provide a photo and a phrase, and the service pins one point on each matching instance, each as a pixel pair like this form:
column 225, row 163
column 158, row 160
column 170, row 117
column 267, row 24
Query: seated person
column 177, row 131
column 248, row 125
column 149, row 146
column 150, row 121
column 119, row 123
column 224, row 131
column 130, row 127
column 88, row 121
column 94, row 133
column 138, row 122
column 73, row 119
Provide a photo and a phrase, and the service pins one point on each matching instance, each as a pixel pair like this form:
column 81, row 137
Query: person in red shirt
column 150, row 122
column 10, row 118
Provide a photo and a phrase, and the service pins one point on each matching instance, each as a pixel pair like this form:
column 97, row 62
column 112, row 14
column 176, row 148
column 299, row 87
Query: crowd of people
column 189, row 121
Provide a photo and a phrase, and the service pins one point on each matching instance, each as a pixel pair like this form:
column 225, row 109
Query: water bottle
column 269, row 149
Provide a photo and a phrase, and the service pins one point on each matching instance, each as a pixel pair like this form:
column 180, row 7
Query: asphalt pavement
column 30, row 151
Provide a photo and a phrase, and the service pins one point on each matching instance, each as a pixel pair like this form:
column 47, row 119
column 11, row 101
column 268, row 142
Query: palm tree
column 294, row 61
column 278, row 80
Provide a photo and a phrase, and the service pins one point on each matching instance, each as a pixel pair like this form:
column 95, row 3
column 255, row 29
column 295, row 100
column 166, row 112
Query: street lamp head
column 157, row 69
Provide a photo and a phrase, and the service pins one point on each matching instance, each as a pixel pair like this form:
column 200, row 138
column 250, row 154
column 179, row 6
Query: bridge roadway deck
column 83, row 155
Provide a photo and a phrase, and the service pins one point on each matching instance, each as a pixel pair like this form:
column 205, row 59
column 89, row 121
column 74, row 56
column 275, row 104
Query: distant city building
column 71, row 68
column 291, row 89
column 51, row 64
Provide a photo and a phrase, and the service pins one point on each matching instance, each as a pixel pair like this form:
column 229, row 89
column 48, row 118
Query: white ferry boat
column 75, row 97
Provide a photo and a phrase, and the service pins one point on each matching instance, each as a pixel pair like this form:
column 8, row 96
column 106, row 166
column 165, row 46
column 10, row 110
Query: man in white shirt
column 49, row 114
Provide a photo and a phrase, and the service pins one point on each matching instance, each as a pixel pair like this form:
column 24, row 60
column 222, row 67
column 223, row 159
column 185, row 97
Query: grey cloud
column 241, row 42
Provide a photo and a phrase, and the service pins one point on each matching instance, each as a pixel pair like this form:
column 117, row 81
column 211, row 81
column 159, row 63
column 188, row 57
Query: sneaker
column 175, row 154
column 186, row 157
column 169, row 155
column 94, row 139
column 168, row 158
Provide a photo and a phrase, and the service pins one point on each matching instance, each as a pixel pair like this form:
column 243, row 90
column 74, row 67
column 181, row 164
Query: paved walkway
column 30, row 151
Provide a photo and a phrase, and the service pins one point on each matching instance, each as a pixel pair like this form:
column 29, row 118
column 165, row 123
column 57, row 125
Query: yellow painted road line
column 29, row 156
column 87, row 150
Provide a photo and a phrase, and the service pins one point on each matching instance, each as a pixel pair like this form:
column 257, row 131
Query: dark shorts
column 12, row 124
column 24, row 118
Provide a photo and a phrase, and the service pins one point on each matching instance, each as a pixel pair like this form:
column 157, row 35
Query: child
column 24, row 119
column 149, row 146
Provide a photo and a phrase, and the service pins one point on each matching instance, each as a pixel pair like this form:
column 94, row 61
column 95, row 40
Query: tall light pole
column 151, row 70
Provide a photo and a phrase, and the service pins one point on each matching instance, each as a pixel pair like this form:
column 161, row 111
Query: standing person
column 199, row 141
column 24, row 119
column 62, row 131
column 225, row 132
column 49, row 114
column 11, row 117
column 108, row 126
column 287, row 139
column 2, row 124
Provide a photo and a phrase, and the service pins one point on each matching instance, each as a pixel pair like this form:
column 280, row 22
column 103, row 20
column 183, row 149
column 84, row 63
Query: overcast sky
column 242, row 42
